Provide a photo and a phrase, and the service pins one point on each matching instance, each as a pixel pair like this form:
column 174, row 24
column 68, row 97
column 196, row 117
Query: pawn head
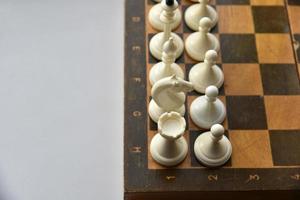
column 211, row 92
column 211, row 56
column 169, row 46
column 217, row 130
column 205, row 23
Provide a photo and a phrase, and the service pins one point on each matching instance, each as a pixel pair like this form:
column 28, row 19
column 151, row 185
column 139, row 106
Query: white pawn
column 197, row 11
column 212, row 148
column 158, row 40
column 206, row 73
column 207, row 110
column 167, row 67
column 168, row 94
column 154, row 17
column 168, row 147
column 198, row 43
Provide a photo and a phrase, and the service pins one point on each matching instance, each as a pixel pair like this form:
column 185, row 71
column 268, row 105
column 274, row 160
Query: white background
column 61, row 99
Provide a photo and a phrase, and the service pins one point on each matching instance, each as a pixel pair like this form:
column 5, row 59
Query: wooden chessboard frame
column 144, row 181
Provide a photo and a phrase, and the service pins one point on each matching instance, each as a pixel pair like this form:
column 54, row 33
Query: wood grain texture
column 267, row 2
column 283, row 112
column 261, row 93
column 294, row 15
column 242, row 79
column 232, row 16
column 274, row 48
column 251, row 149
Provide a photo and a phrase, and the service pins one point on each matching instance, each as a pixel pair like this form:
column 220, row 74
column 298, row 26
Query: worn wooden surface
column 259, row 50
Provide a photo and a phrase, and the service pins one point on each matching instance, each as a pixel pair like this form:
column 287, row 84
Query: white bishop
column 158, row 40
column 167, row 67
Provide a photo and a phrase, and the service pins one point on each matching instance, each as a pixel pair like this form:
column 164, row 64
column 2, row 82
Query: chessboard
column 259, row 55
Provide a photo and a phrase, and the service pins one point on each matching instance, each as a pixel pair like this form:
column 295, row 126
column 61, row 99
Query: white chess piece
column 197, row 11
column 212, row 148
column 167, row 67
column 206, row 73
column 158, row 40
column 198, row 43
column 154, row 17
column 207, row 110
column 168, row 147
column 168, row 94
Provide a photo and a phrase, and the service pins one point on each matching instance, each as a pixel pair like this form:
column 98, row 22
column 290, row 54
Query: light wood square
column 242, row 79
column 283, row 112
column 231, row 19
column 274, row 48
column 267, row 2
column 251, row 149
column 294, row 16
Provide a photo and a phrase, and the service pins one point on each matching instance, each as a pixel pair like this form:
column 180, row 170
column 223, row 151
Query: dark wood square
column 294, row 2
column 285, row 147
column 233, row 2
column 297, row 38
column 246, row 112
column 152, row 125
column 238, row 48
column 280, row 79
column 270, row 19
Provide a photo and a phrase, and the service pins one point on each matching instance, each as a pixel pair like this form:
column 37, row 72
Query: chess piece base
column 156, row 73
column 215, row 157
column 156, row 23
column 192, row 16
column 204, row 116
column 197, row 51
column 179, row 150
column 200, row 79
column 156, row 45
column 155, row 111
